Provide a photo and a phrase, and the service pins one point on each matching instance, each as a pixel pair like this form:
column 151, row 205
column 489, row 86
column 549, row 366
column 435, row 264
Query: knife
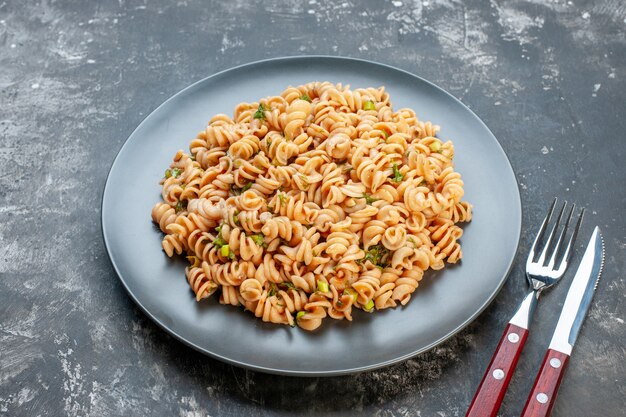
column 543, row 394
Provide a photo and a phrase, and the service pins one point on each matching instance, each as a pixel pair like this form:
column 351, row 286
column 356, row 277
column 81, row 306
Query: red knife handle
column 490, row 393
column 543, row 395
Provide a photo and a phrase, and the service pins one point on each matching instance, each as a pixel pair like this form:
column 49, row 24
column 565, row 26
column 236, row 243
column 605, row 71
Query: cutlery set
column 542, row 272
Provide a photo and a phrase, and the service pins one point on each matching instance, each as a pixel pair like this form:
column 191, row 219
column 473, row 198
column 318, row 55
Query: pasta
column 312, row 203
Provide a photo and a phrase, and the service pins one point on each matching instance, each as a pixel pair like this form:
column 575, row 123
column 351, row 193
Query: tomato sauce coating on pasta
column 312, row 203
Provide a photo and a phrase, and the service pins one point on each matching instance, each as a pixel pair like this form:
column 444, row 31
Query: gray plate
column 445, row 302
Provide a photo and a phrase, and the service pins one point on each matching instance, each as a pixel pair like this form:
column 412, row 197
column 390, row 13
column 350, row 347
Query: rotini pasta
column 313, row 203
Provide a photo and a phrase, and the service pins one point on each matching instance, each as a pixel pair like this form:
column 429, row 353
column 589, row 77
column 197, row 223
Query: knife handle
column 494, row 384
column 543, row 395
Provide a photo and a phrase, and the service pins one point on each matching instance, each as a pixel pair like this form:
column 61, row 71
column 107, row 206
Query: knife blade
column 543, row 394
column 579, row 296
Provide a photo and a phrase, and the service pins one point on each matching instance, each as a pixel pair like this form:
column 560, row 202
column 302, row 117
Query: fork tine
column 544, row 252
column 558, row 247
column 572, row 239
column 542, row 229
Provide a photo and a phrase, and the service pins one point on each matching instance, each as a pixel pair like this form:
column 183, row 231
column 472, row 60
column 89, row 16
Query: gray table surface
column 77, row 77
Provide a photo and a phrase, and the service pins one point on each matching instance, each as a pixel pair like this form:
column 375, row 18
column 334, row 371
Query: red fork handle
column 490, row 393
column 543, row 395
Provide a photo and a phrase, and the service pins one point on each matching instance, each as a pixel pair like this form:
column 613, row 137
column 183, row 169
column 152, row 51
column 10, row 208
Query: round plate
column 445, row 302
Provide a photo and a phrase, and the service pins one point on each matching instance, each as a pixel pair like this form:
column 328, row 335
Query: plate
column 446, row 301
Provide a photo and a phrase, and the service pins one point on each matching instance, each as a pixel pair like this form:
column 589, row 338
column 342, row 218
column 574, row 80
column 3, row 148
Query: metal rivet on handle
column 542, row 398
column 555, row 363
column 498, row 374
column 513, row 337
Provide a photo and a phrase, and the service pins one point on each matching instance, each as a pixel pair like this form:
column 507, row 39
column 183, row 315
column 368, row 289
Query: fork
column 540, row 276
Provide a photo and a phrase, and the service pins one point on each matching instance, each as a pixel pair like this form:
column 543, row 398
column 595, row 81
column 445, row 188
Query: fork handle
column 543, row 395
column 494, row 384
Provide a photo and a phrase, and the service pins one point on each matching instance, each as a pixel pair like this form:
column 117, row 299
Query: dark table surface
column 77, row 77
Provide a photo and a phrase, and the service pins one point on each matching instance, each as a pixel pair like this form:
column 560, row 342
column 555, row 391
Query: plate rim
column 308, row 373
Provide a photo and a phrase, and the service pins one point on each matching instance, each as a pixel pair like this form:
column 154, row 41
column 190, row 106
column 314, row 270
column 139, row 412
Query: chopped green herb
column 259, row 114
column 322, row 286
column 237, row 191
column 316, row 253
column 181, row 205
column 369, row 199
column 369, row 105
column 269, row 144
column 193, row 261
column 376, row 255
column 300, row 315
column 192, row 157
column 435, row 147
column 305, row 97
column 352, row 293
column 219, row 241
column 273, row 290
column 407, row 153
column 259, row 240
column 369, row 306
column 218, row 229
column 385, row 133
column 172, row 172
column 287, row 286
column 282, row 198
column 347, row 168
column 225, row 250
column 423, row 183
column 410, row 239
column 397, row 175
column 236, row 217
